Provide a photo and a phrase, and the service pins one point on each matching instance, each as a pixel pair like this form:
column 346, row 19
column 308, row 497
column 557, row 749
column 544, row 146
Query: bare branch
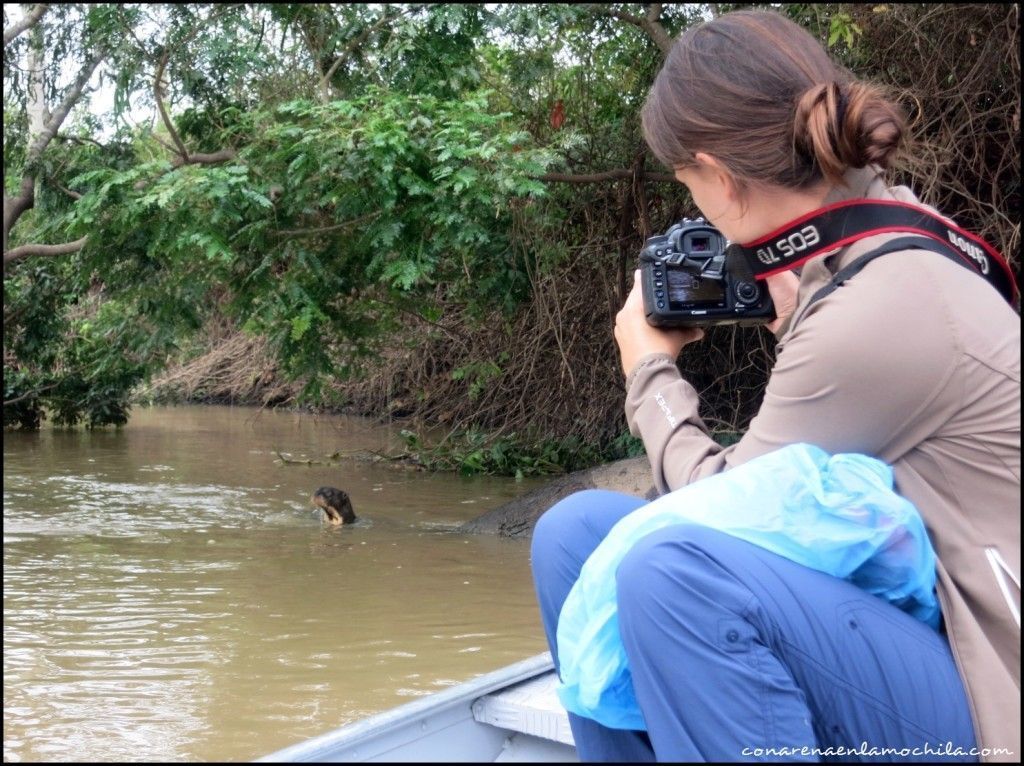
column 203, row 158
column 158, row 93
column 649, row 23
column 30, row 20
column 24, row 251
column 352, row 45
column 29, row 395
column 79, row 139
column 322, row 229
column 60, row 114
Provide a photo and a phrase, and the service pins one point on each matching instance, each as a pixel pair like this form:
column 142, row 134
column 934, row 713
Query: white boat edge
column 508, row 715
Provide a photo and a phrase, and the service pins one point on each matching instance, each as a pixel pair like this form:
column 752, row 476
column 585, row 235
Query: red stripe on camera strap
column 843, row 223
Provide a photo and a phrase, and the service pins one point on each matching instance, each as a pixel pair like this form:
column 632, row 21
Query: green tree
column 423, row 209
column 254, row 200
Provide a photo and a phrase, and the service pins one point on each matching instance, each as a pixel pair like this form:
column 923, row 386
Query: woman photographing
column 735, row 651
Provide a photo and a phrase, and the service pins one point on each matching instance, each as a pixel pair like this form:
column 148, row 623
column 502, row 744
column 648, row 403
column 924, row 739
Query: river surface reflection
column 169, row 594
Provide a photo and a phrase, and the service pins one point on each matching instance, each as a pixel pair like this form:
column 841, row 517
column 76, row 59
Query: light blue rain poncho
column 836, row 514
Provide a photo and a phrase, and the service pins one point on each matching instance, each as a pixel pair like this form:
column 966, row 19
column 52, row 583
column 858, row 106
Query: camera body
column 690, row 278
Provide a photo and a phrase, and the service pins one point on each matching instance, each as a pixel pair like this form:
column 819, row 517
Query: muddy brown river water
column 169, row 594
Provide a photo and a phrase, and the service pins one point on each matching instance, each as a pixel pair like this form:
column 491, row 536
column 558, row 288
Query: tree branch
column 164, row 144
column 30, row 20
column 15, row 207
column 24, row 251
column 29, row 395
column 322, row 229
column 203, row 158
column 350, row 47
column 71, row 193
column 61, row 112
column 79, row 139
column 196, row 158
column 158, row 94
column 649, row 23
column 447, row 330
column 158, row 90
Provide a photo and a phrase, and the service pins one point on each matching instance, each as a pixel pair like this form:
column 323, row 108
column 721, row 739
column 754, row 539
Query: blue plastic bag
column 836, row 514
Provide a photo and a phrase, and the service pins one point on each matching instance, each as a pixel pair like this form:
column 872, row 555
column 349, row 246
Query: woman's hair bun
column 759, row 93
column 839, row 125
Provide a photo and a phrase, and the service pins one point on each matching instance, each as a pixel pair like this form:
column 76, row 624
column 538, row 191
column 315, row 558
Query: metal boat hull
column 510, row 715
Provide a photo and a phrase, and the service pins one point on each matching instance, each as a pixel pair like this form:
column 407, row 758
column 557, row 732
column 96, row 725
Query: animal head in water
column 335, row 505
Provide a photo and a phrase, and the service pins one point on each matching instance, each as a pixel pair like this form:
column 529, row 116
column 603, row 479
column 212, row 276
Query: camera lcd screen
column 687, row 290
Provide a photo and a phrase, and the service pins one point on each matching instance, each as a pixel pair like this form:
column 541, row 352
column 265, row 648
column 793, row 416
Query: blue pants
column 739, row 654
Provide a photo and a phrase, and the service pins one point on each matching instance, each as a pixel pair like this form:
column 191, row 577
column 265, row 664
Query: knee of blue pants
column 676, row 583
column 576, row 524
column 697, row 600
column 559, row 545
column 649, row 556
column 554, row 522
column 569, row 512
column 563, row 539
column 550, row 532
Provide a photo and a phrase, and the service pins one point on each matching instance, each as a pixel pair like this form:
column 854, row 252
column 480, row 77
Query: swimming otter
column 335, row 504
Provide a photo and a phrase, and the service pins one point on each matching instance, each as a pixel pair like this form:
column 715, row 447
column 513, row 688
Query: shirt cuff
column 645, row 362
column 654, row 380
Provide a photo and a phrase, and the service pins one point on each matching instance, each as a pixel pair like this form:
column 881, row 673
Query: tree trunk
column 43, row 126
column 36, row 97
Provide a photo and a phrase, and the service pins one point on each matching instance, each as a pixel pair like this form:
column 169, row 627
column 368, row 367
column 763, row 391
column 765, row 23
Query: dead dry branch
column 237, row 369
column 956, row 67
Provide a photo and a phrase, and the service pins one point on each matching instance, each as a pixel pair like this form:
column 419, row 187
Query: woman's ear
column 717, row 173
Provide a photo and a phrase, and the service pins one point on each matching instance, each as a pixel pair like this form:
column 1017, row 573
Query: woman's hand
column 637, row 339
column 782, row 287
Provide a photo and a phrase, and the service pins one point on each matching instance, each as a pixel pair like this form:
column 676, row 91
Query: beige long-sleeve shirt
column 915, row 361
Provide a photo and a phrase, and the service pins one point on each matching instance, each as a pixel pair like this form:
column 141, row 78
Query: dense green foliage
column 378, row 202
column 329, row 219
column 370, row 189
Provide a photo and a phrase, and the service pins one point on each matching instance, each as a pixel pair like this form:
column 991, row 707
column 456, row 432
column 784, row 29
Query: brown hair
column 759, row 93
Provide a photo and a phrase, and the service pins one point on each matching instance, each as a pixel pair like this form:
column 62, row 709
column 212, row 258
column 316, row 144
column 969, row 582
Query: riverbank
column 551, row 406
column 445, row 419
column 517, row 517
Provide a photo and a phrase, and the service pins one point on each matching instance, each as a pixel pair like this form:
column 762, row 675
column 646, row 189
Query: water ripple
column 169, row 596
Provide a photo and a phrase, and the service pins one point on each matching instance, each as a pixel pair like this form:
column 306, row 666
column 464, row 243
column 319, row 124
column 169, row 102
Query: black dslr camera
column 689, row 278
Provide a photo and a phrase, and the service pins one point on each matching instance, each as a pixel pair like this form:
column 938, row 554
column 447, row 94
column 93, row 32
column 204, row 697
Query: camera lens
column 747, row 292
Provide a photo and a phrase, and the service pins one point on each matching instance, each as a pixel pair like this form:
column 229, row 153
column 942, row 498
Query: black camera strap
column 843, row 223
column 895, row 245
